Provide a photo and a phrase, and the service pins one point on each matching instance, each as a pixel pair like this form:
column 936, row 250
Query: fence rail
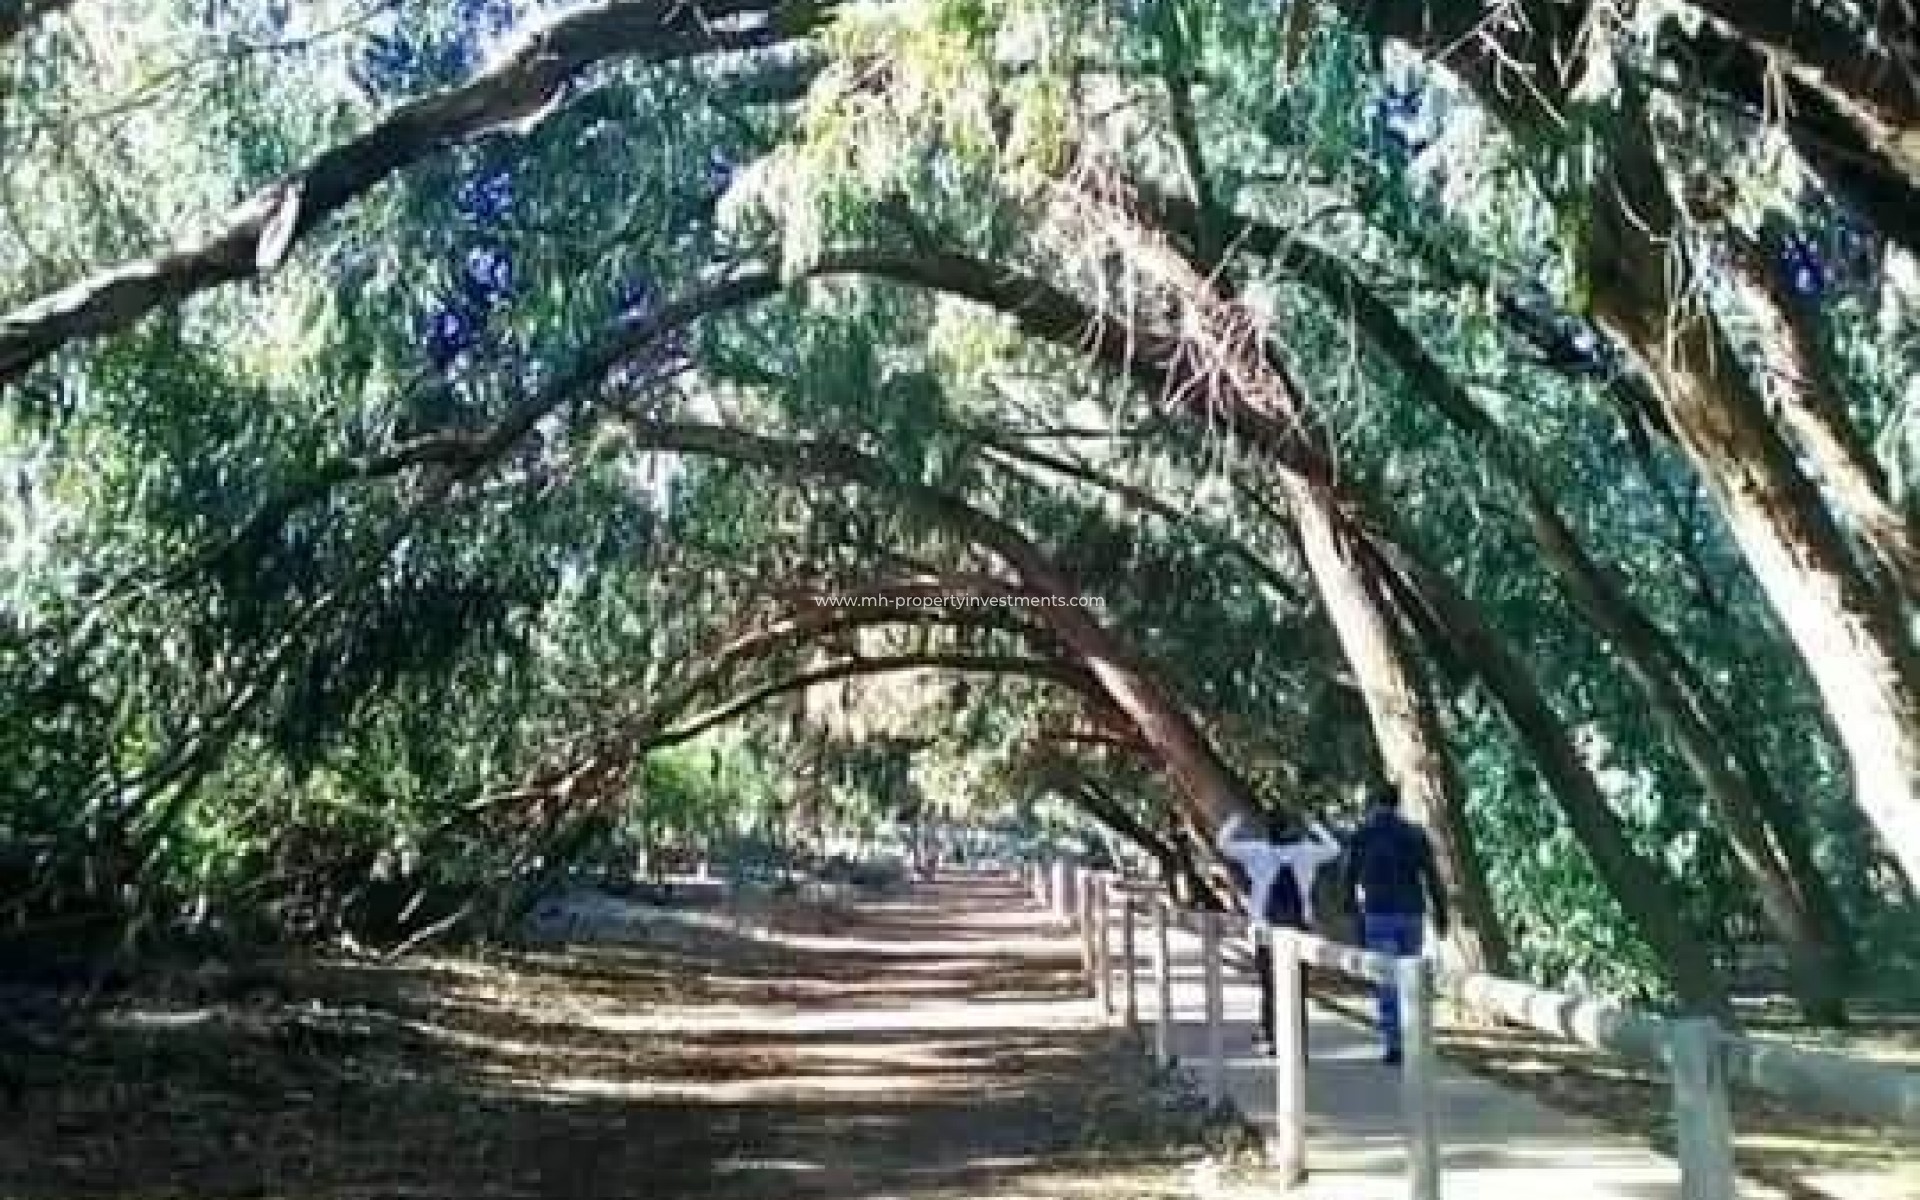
column 1701, row 1058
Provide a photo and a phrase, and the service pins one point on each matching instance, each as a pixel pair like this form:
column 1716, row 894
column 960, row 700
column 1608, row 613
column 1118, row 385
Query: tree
column 442, row 418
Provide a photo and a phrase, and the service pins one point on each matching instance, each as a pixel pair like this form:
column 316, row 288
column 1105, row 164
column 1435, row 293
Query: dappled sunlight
column 561, row 559
column 1862, row 1145
column 1007, row 1015
column 923, row 1055
column 734, row 1166
column 1783, row 1149
column 918, row 948
column 692, row 1072
column 878, row 1088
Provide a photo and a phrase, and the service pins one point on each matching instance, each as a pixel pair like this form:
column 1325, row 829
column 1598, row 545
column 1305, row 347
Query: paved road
column 1498, row 1143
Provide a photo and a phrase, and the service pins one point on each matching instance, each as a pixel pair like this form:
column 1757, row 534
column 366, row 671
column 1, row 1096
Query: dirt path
column 927, row 1048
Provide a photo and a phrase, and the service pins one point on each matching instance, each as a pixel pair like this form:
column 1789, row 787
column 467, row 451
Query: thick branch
column 1846, row 115
column 254, row 238
column 811, row 618
column 1638, row 883
column 1154, row 360
column 1876, row 73
column 1846, row 622
column 995, row 664
column 1107, row 810
column 1738, row 792
column 1547, row 331
column 1145, row 501
column 1851, row 104
column 1041, row 310
column 1191, row 761
column 1810, row 406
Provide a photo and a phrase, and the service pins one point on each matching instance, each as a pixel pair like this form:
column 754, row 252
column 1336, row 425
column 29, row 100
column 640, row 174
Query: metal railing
column 1701, row 1058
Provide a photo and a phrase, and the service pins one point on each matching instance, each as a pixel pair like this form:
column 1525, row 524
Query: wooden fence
column 1701, row 1059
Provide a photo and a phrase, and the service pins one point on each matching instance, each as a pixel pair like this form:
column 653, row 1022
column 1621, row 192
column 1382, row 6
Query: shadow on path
column 930, row 1046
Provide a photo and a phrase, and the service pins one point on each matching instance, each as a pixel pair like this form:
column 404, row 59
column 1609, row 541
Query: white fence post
column 1216, row 1080
column 1059, row 889
column 1418, row 1066
column 1131, row 965
column 1702, row 1121
column 1163, row 980
column 1103, row 942
column 1704, row 1062
column 1084, row 900
column 1289, row 1061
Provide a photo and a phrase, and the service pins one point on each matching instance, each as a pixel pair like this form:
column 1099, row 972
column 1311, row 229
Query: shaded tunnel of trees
column 440, row 438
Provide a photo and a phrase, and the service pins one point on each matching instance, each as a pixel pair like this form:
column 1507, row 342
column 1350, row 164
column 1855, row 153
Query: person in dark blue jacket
column 1390, row 869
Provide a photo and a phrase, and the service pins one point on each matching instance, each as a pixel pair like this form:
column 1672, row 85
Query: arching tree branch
column 254, row 238
column 994, row 664
column 1146, row 502
column 810, row 618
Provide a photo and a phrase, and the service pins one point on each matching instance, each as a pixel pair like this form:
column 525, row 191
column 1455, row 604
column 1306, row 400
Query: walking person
column 1278, row 866
column 1390, row 867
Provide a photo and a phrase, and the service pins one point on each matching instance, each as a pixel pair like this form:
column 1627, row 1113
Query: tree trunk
column 1850, row 637
column 1814, row 414
column 1766, row 835
column 1847, row 631
column 1190, row 760
column 1194, row 888
column 1640, row 887
column 1176, row 868
column 1850, row 107
column 1110, row 812
column 1412, row 745
column 1871, row 78
column 1166, row 728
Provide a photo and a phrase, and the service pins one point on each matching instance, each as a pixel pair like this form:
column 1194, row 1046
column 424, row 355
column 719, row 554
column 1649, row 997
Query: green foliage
column 239, row 684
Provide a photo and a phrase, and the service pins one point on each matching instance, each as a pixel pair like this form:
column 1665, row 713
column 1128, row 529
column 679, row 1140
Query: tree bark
column 1849, row 106
column 1815, row 416
column 1412, row 744
column 1640, row 887
column 1764, row 833
column 1852, row 123
column 255, row 237
column 1873, row 76
column 1168, row 730
column 1848, row 632
column 1171, row 857
column 1845, row 629
column 1225, row 372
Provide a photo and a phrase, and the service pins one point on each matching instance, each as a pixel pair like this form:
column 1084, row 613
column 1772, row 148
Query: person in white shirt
column 1277, row 869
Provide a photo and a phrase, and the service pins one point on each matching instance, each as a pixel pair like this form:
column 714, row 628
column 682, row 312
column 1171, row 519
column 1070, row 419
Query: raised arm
column 1320, row 846
column 1234, row 841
